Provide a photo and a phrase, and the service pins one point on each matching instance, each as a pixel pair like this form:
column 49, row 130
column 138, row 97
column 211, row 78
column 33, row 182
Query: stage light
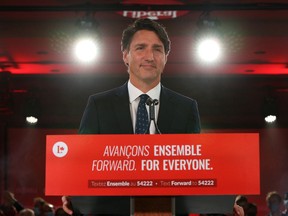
column 87, row 39
column 32, row 110
column 270, row 118
column 209, row 47
column 270, row 110
column 86, row 50
column 31, row 119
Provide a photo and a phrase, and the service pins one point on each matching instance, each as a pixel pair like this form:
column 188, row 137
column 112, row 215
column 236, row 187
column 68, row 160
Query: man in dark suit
column 109, row 113
column 145, row 46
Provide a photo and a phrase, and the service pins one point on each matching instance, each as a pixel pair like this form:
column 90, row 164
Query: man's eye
column 159, row 50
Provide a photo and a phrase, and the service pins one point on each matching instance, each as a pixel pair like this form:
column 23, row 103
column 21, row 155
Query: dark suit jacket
column 109, row 113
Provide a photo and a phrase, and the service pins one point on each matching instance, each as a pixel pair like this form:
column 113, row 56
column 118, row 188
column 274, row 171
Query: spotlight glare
column 209, row 50
column 31, row 119
column 86, row 50
column 270, row 118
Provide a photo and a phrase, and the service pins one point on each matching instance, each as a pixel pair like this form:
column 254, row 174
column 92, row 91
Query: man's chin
column 151, row 80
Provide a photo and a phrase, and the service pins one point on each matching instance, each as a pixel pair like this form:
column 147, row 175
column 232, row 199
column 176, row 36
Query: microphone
column 152, row 103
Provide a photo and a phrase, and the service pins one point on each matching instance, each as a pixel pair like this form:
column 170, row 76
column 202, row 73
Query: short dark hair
column 145, row 24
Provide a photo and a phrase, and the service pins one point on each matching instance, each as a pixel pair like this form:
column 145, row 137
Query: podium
column 139, row 175
column 180, row 205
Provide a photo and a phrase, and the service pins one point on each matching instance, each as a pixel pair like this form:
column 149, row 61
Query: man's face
column 145, row 58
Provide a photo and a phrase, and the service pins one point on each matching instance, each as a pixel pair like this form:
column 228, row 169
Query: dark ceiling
column 35, row 37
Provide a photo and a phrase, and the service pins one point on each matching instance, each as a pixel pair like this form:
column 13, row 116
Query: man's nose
column 149, row 55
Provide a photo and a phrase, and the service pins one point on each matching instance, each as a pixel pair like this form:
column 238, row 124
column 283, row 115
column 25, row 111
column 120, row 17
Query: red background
column 229, row 155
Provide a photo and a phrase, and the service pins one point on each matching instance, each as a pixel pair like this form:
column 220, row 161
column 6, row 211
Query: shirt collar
column 134, row 92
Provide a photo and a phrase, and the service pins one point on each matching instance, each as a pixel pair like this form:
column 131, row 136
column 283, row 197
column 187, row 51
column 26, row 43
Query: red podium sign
column 132, row 165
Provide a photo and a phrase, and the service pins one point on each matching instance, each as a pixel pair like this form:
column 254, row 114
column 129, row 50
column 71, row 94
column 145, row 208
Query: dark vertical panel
column 3, row 157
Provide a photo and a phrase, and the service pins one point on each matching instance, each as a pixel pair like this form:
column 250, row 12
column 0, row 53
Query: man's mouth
column 148, row 66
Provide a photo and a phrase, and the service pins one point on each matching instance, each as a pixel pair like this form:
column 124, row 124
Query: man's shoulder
column 118, row 91
column 176, row 96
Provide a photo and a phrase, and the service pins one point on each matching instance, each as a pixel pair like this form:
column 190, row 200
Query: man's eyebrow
column 144, row 44
column 158, row 46
column 140, row 44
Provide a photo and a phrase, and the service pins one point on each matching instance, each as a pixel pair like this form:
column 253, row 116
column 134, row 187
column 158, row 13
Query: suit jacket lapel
column 166, row 113
column 122, row 110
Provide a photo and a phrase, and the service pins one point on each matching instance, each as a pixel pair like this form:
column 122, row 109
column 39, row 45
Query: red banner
column 132, row 165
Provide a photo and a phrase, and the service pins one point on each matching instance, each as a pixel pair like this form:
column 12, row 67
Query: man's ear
column 166, row 57
column 125, row 57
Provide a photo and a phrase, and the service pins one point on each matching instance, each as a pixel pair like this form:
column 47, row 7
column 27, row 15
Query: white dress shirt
column 134, row 99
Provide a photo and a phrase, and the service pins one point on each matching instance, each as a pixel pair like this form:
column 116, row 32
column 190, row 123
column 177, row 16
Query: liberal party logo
column 60, row 149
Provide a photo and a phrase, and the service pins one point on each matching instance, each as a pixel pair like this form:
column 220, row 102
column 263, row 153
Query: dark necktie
column 142, row 116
